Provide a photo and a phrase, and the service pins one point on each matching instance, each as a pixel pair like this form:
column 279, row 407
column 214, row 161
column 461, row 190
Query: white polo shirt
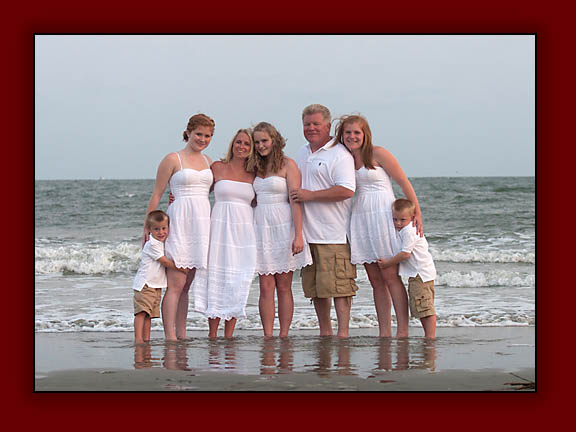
column 329, row 166
column 150, row 271
column 420, row 261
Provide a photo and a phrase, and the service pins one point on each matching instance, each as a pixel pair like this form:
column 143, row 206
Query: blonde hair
column 230, row 154
column 317, row 108
column 259, row 164
column 403, row 204
column 198, row 120
column 367, row 149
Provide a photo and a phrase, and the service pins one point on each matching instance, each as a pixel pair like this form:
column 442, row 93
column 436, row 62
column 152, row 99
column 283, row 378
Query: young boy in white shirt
column 415, row 261
column 151, row 276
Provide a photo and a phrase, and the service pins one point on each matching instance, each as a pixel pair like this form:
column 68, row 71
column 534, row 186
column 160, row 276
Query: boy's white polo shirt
column 420, row 261
column 326, row 222
column 150, row 271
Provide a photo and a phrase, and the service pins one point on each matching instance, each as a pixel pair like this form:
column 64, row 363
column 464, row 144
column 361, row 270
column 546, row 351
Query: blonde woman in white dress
column 281, row 247
column 221, row 290
column 372, row 232
column 189, row 175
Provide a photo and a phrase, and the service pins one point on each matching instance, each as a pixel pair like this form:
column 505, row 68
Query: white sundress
column 187, row 243
column 372, row 232
column 275, row 229
column 221, row 290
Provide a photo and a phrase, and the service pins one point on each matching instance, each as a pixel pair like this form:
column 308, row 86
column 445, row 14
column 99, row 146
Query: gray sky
column 449, row 105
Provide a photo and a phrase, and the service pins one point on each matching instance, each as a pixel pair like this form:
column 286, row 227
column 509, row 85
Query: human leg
column 322, row 307
column 182, row 307
column 285, row 301
column 429, row 325
column 422, row 304
column 213, row 327
column 176, row 282
column 399, row 298
column 229, row 327
column 382, row 300
column 266, row 304
column 139, row 320
column 342, row 306
column 147, row 327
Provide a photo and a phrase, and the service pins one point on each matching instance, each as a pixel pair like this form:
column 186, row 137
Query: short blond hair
column 317, row 108
column 403, row 204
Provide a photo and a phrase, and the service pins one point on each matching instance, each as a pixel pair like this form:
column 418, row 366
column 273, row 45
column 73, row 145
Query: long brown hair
column 367, row 149
column 259, row 164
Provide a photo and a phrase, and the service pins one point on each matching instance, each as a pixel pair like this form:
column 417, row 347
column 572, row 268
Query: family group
column 323, row 213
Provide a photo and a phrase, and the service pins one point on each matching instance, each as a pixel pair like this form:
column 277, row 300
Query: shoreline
column 473, row 359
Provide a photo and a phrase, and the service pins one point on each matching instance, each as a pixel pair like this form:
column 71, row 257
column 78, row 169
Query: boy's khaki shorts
column 421, row 297
column 331, row 273
column 148, row 300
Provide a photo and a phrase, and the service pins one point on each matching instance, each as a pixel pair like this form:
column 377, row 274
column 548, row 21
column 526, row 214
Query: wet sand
column 460, row 359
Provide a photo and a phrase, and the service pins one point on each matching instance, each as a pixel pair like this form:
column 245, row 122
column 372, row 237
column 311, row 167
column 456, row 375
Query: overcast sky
column 112, row 106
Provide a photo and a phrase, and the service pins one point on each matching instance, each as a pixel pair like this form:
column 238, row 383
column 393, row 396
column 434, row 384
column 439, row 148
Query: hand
column 145, row 237
column 170, row 198
column 417, row 223
column 383, row 263
column 301, row 195
column 297, row 245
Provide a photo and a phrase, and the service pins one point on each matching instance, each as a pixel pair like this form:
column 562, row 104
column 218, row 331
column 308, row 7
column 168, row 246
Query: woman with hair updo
column 372, row 232
column 189, row 175
column 221, row 290
column 281, row 248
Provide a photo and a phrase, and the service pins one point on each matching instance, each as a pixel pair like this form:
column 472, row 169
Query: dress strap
column 206, row 159
column 178, row 154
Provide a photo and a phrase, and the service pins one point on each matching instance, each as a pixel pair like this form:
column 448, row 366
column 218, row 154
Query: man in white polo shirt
column 328, row 184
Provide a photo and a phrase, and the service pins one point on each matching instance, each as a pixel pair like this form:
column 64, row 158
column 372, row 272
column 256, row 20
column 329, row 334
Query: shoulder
column 290, row 163
column 218, row 165
column 304, row 150
column 381, row 152
column 340, row 152
column 170, row 159
column 383, row 157
column 208, row 159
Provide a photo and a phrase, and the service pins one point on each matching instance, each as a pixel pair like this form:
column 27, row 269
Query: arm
column 168, row 263
column 396, row 259
column 294, row 180
column 387, row 161
column 333, row 194
column 165, row 170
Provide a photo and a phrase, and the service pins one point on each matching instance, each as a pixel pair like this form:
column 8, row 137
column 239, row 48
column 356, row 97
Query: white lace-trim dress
column 221, row 290
column 372, row 232
column 275, row 229
column 187, row 243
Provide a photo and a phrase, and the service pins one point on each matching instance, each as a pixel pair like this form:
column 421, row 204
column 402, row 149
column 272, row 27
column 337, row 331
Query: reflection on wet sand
column 395, row 354
column 222, row 354
column 175, row 356
column 324, row 356
column 276, row 356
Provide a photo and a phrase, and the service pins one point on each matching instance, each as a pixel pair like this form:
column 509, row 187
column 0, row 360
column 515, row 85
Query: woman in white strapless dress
column 221, row 290
column 188, row 172
column 281, row 247
column 372, row 233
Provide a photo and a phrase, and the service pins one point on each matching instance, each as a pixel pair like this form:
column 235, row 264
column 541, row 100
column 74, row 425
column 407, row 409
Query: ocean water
column 481, row 232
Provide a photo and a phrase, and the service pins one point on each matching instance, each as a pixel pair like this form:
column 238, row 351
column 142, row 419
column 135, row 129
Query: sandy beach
column 469, row 359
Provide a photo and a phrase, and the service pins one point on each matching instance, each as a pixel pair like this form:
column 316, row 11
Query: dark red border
column 91, row 411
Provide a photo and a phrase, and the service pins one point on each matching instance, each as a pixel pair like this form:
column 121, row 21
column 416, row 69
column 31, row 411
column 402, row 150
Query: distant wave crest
column 87, row 260
column 483, row 256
